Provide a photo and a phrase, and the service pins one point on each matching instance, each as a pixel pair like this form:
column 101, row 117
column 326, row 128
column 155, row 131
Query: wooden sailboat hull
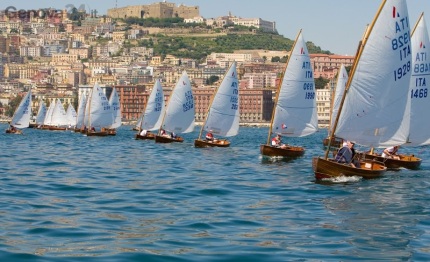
column 288, row 152
column 336, row 142
column 146, row 137
column 165, row 139
column 56, row 128
column 94, row 133
column 111, row 132
column 15, row 132
column 405, row 161
column 216, row 143
column 328, row 168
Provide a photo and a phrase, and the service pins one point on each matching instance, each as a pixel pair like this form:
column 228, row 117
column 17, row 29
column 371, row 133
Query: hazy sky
column 335, row 25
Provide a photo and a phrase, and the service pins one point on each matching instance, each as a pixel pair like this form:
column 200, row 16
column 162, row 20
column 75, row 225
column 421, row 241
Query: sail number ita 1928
column 189, row 104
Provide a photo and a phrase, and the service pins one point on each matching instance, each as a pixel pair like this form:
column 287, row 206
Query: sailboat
column 294, row 113
column 21, row 116
column 153, row 112
column 223, row 114
column 341, row 81
column 48, row 116
column 375, row 98
column 99, row 113
column 80, row 115
column 71, row 116
column 418, row 101
column 180, row 112
column 138, row 122
column 58, row 117
column 116, row 112
column 41, row 113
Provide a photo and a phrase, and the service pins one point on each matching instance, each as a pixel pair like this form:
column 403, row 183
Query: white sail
column 21, row 117
column 41, row 113
column 418, row 92
column 71, row 115
column 81, row 111
column 342, row 78
column 296, row 110
column 223, row 115
column 154, row 109
column 116, row 109
column 100, row 114
column 179, row 116
column 58, row 115
column 139, row 120
column 376, row 100
column 48, row 117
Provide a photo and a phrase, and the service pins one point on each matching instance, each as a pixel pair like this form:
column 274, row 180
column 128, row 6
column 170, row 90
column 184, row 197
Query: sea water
column 68, row 197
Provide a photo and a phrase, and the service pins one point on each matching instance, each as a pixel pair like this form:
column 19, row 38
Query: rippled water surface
column 68, row 197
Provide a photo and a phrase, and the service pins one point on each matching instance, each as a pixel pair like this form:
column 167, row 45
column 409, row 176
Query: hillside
column 197, row 41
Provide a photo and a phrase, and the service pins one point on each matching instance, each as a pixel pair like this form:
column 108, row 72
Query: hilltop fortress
column 156, row 10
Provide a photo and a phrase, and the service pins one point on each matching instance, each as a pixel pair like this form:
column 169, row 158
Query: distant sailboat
column 115, row 106
column 375, row 99
column 21, row 117
column 342, row 79
column 71, row 116
column 58, row 117
column 48, row 117
column 41, row 113
column 99, row 112
column 223, row 114
column 153, row 112
column 80, row 124
column 295, row 111
column 180, row 112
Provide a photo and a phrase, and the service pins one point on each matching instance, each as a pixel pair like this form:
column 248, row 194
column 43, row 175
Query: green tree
column 13, row 104
column 321, row 82
column 212, row 79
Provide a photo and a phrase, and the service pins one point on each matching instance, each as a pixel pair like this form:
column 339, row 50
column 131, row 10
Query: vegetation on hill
column 199, row 46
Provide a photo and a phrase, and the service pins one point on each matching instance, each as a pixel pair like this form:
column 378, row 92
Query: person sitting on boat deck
column 391, row 152
column 163, row 132
column 93, row 129
column 144, row 132
column 345, row 155
column 173, row 135
column 276, row 142
column 209, row 136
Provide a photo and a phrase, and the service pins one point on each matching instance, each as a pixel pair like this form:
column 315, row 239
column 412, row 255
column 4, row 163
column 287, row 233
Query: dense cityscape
column 61, row 54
